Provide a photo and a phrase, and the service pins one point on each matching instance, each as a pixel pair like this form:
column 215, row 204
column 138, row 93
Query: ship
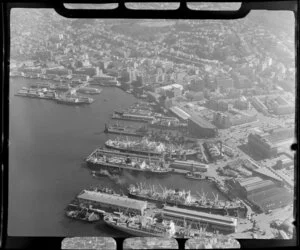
column 132, row 117
column 184, row 199
column 83, row 214
column 40, row 85
column 74, row 100
column 195, row 176
column 63, row 87
column 120, row 130
column 133, row 163
column 164, row 123
column 146, row 147
column 140, row 226
column 91, row 91
column 32, row 93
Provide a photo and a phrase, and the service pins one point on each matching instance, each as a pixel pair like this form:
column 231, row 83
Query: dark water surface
column 48, row 144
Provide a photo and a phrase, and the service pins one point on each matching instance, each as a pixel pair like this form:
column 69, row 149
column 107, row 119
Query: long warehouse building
column 195, row 218
column 112, row 202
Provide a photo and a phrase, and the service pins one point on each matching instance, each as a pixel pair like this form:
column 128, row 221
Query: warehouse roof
column 213, row 218
column 179, row 112
column 258, row 185
column 190, row 163
column 248, row 181
column 201, row 122
column 115, row 200
column 267, row 172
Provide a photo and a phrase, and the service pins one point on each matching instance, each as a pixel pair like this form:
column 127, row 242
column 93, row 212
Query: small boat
column 195, row 176
column 83, row 214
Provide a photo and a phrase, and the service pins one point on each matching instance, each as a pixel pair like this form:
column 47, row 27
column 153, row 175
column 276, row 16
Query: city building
column 217, row 105
column 242, row 103
column 175, row 88
column 224, row 82
column 280, row 106
column 258, row 144
column 259, row 105
column 112, row 202
column 194, row 218
column 58, row 71
column 233, row 117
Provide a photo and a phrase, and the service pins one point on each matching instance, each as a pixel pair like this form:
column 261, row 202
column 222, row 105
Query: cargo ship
column 142, row 115
column 132, row 117
column 62, row 87
column 91, row 91
column 74, row 100
column 32, row 93
column 183, row 199
column 41, row 85
column 167, row 124
column 110, row 161
column 140, row 226
column 143, row 146
column 120, row 130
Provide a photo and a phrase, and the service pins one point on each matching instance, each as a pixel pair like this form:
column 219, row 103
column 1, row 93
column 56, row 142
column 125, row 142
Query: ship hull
column 120, row 168
column 130, row 119
column 113, row 131
column 71, row 103
column 136, row 151
column 132, row 231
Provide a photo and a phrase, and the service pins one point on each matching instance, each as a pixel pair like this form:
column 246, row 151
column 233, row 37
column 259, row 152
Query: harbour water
column 48, row 144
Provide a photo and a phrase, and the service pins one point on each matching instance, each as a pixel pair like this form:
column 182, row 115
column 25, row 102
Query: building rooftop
column 268, row 173
column 201, row 122
column 257, row 185
column 112, row 199
column 179, row 112
column 248, row 181
column 196, row 214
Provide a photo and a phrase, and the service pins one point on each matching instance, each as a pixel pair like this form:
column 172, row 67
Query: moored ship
column 133, row 163
column 195, row 175
column 167, row 124
column 91, row 91
column 132, row 117
column 141, row 226
column 116, row 129
column 183, row 199
column 74, row 100
column 83, row 214
column 146, row 147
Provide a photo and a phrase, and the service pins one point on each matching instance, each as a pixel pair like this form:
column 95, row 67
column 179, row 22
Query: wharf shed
column 194, row 218
column 181, row 114
column 248, row 186
column 201, row 128
column 189, row 165
column 259, row 186
column 112, row 202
